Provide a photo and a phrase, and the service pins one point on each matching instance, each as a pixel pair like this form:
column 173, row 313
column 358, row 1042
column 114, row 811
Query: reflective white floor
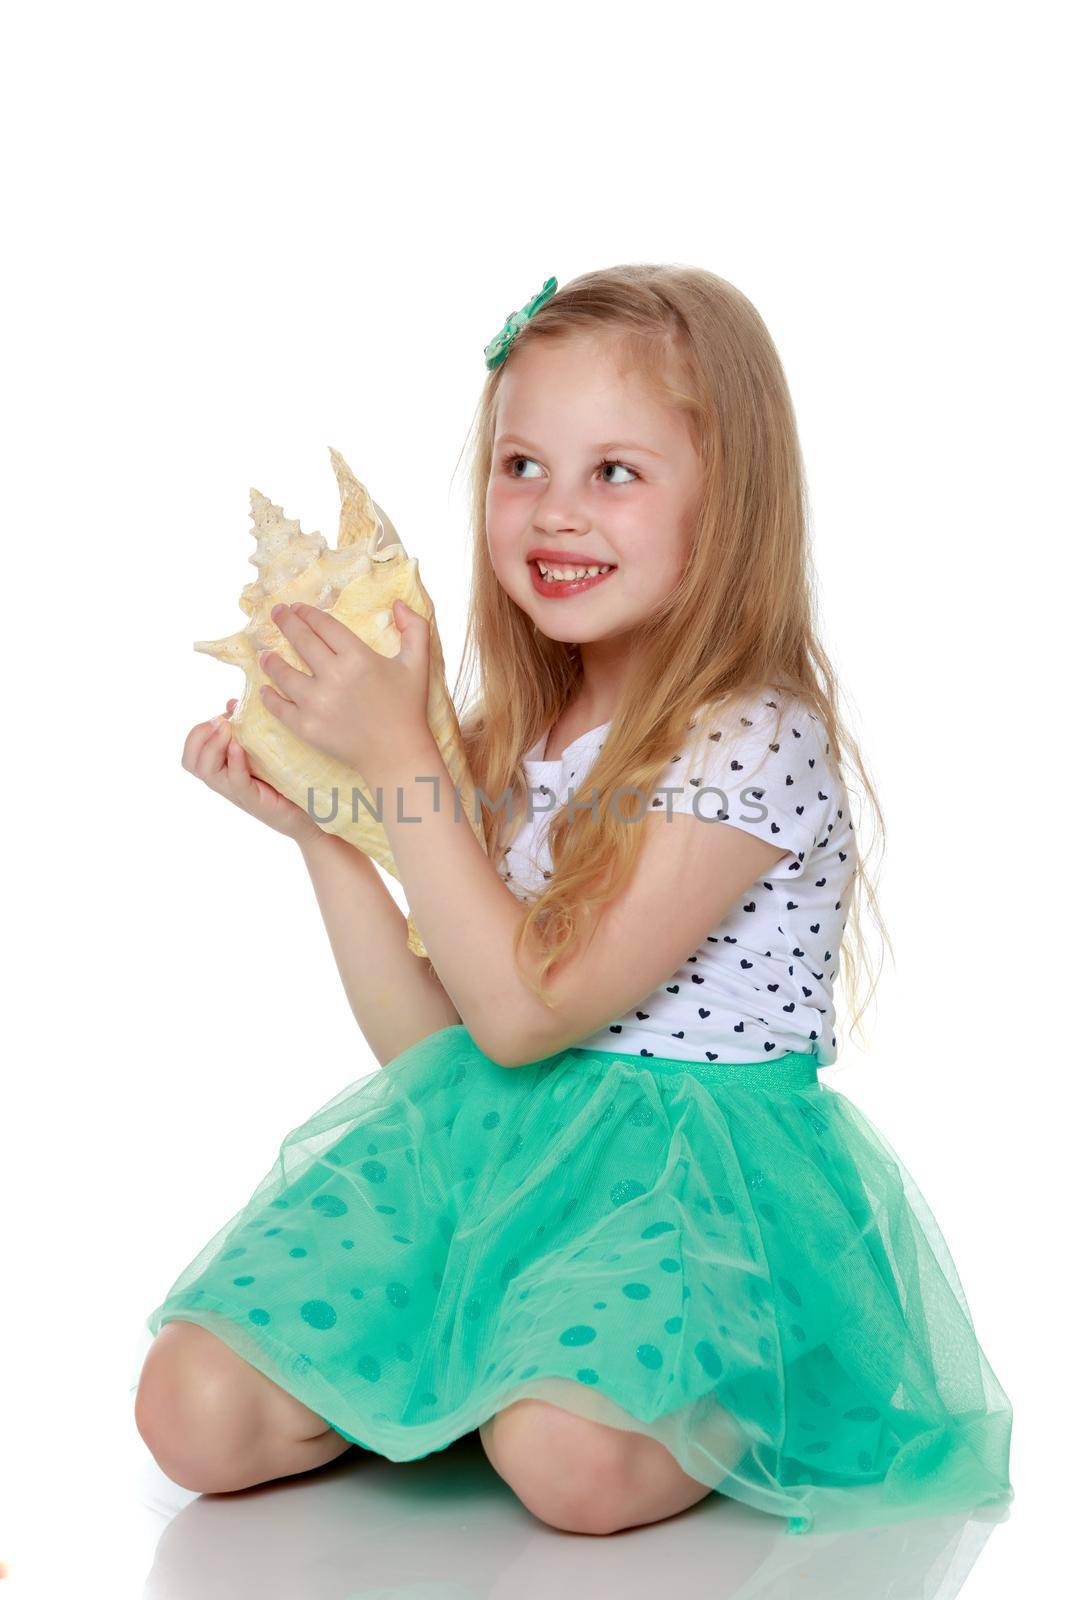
column 447, row 1528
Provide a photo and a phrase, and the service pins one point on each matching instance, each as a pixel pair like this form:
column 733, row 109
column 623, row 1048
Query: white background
column 238, row 234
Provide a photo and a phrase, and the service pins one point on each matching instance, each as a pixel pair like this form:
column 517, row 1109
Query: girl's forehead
column 571, row 377
column 602, row 357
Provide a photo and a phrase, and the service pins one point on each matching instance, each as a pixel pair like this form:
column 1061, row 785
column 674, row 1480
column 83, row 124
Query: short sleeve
column 767, row 774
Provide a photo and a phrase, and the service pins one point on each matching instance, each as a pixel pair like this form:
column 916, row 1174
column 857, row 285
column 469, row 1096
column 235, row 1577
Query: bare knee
column 572, row 1473
column 193, row 1410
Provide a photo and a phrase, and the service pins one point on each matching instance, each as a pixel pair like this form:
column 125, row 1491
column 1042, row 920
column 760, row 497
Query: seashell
column 357, row 582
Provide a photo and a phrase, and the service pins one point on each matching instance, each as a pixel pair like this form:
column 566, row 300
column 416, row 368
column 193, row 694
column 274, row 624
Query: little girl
column 596, row 1203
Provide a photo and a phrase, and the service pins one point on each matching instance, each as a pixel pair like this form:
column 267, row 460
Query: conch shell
column 357, row 582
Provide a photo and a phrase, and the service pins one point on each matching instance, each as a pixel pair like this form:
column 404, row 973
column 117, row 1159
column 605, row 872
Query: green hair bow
column 497, row 348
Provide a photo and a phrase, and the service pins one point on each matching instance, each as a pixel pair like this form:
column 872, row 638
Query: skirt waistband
column 797, row 1070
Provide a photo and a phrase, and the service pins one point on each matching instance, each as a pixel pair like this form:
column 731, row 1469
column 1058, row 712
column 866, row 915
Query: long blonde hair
column 741, row 617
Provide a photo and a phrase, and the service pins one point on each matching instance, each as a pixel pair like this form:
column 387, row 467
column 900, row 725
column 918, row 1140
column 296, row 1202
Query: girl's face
column 589, row 469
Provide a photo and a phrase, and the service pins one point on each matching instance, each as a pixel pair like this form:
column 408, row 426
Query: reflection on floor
column 447, row 1528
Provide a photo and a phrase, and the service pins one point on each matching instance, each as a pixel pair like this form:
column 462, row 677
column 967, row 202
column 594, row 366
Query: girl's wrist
column 319, row 842
column 323, row 844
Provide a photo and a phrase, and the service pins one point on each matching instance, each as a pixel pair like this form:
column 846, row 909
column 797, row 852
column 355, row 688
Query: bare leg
column 584, row 1476
column 215, row 1423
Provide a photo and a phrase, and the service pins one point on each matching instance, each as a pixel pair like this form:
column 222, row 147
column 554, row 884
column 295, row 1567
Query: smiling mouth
column 562, row 588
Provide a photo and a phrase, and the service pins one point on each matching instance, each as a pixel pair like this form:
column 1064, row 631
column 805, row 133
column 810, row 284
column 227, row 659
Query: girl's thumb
column 412, row 636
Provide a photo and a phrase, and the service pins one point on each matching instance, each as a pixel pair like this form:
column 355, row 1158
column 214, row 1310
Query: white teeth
column 568, row 574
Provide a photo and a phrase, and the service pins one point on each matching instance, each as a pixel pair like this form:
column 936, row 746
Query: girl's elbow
column 502, row 1049
column 495, row 1042
column 509, row 1046
column 525, row 1030
column 533, row 1045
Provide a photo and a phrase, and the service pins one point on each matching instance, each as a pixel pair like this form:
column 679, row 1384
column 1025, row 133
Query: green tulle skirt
column 727, row 1258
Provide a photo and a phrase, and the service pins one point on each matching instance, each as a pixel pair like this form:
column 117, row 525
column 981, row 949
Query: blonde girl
column 595, row 1203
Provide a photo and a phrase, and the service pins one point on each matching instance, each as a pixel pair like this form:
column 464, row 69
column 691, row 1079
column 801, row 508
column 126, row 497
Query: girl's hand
column 213, row 754
column 352, row 703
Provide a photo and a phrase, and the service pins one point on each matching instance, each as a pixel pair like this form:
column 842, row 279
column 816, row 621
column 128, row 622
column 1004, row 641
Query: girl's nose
column 561, row 519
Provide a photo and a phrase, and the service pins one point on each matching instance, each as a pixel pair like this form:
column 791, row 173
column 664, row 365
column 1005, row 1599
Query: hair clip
column 497, row 348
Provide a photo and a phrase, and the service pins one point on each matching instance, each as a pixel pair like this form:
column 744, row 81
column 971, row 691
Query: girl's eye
column 510, row 460
column 621, row 464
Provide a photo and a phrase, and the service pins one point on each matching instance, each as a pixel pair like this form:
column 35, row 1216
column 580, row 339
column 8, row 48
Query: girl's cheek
column 505, row 495
column 506, row 515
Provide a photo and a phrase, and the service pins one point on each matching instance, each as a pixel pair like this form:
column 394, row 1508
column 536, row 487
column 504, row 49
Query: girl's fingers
column 244, row 784
column 199, row 737
column 237, row 767
column 246, row 789
column 307, row 636
column 330, row 629
column 195, row 743
column 286, row 679
column 213, row 753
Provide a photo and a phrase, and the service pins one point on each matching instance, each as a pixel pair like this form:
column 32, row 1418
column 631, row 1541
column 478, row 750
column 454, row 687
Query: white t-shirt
column 761, row 983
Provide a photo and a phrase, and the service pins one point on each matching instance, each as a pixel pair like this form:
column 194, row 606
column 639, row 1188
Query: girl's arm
column 394, row 996
column 688, row 876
